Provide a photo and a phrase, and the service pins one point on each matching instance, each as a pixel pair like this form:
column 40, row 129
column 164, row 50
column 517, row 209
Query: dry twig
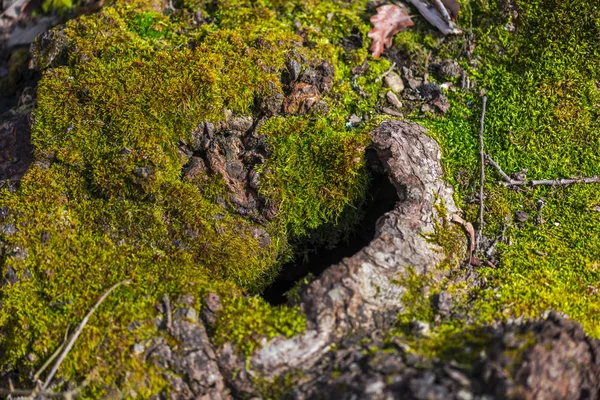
column 495, row 165
column 77, row 332
column 32, row 393
column 501, row 238
column 553, row 182
column 359, row 89
column 508, row 181
column 36, row 377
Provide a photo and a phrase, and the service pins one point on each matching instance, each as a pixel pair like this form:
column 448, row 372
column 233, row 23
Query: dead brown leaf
column 470, row 231
column 389, row 20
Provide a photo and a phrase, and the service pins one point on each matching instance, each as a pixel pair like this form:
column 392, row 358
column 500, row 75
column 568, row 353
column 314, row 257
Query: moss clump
column 545, row 119
column 60, row 6
column 105, row 200
column 245, row 321
column 448, row 238
column 314, row 151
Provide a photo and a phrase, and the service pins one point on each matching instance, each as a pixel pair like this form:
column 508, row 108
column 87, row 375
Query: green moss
column 449, row 342
column 448, row 238
column 149, row 25
column 542, row 115
column 246, row 321
column 78, row 245
column 416, row 298
column 321, row 152
column 60, row 6
column 112, row 204
column 278, row 388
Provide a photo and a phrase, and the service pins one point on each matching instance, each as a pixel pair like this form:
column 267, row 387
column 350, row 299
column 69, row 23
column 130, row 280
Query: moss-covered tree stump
column 195, row 148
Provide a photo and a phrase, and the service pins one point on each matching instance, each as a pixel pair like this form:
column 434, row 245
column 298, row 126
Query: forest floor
column 225, row 148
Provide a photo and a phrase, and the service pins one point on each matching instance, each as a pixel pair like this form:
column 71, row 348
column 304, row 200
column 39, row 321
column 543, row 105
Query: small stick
column 78, row 332
column 553, row 182
column 539, row 219
column 52, row 357
column 482, row 171
column 490, row 250
column 530, row 182
column 442, row 10
column 359, row 89
column 27, row 392
column 502, row 173
column 168, row 311
column 380, row 77
column 34, row 392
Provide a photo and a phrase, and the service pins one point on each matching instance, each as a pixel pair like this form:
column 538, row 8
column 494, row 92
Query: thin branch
column 34, row 392
column 493, row 163
column 359, row 89
column 490, row 250
column 553, row 182
column 482, row 170
column 78, row 332
column 531, row 182
column 52, row 357
column 27, row 392
column 380, row 77
column 539, row 218
column 442, row 10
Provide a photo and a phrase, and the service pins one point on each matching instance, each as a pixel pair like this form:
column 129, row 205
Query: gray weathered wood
column 433, row 16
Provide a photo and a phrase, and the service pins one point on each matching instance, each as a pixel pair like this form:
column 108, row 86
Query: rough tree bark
column 364, row 292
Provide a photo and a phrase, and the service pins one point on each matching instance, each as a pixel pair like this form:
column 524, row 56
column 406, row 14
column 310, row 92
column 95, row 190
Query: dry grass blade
column 77, row 332
column 52, row 357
